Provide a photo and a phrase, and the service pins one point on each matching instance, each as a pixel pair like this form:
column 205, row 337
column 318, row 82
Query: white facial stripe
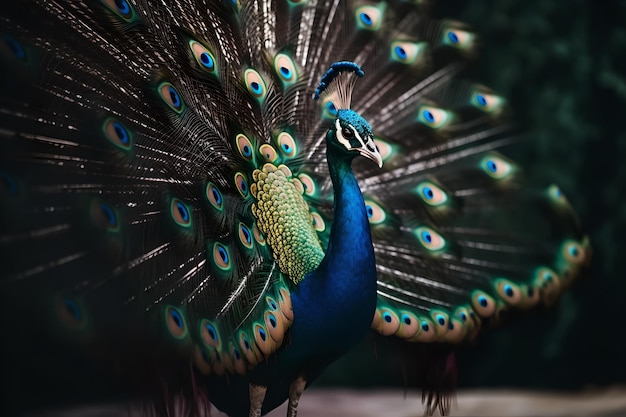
column 345, row 142
column 340, row 137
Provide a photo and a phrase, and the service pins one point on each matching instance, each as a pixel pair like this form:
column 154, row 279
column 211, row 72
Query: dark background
column 562, row 66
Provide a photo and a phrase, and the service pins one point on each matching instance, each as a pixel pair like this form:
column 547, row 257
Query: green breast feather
column 284, row 218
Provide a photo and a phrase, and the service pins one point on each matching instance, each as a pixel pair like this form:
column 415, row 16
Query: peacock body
column 181, row 216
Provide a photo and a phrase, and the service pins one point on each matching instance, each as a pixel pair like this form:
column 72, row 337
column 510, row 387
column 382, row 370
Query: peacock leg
column 295, row 392
column 257, row 395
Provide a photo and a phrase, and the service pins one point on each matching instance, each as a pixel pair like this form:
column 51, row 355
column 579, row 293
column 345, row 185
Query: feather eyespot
column 172, row 98
column 557, row 197
column 180, row 213
column 456, row 331
column 375, row 213
column 275, row 326
column 235, row 355
column 529, row 296
column 248, row 348
column 117, row 134
column 457, row 38
column 268, row 152
column 209, row 334
column 555, row 191
column 244, row 146
column 104, row 216
column 545, row 277
column 263, row 340
column 245, row 236
column 329, row 110
column 260, row 331
column 430, row 239
column 204, row 57
column 548, row 282
column 432, row 194
column 308, row 184
column 426, row 332
column 255, row 84
column 121, row 8
column 409, row 325
column 483, row 303
column 441, row 320
column 287, row 144
column 390, row 323
column 284, row 302
column 285, row 69
column 318, row 222
column 463, row 314
column 555, row 194
column 244, row 342
column 434, row 117
column 407, row 52
column 214, row 196
column 488, row 103
column 239, row 365
column 221, row 257
column 242, row 184
column 369, row 17
column 508, row 291
column 70, row 313
column 573, row 252
column 496, row 167
column 271, row 303
column 175, row 322
column 15, row 48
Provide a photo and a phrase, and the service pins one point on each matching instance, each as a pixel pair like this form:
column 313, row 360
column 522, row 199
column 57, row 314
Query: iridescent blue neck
column 334, row 305
column 350, row 256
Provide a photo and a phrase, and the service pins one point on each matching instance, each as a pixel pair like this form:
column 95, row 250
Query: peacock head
column 350, row 134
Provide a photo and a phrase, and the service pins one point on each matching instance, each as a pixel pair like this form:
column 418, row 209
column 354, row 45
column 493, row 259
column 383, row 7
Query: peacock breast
column 284, row 218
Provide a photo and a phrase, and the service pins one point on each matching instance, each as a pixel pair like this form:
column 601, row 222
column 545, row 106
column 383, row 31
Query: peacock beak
column 370, row 151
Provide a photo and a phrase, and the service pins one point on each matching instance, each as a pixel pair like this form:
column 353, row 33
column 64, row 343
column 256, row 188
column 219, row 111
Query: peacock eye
column 347, row 133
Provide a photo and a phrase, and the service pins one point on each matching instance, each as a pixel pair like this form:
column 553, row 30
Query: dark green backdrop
column 562, row 65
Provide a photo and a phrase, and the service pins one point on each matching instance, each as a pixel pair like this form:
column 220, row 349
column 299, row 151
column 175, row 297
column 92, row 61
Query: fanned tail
column 138, row 140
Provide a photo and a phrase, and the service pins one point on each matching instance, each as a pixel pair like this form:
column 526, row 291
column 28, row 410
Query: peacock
column 210, row 201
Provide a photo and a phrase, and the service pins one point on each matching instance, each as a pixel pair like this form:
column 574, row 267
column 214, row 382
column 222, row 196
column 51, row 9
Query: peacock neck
column 350, row 245
column 336, row 302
